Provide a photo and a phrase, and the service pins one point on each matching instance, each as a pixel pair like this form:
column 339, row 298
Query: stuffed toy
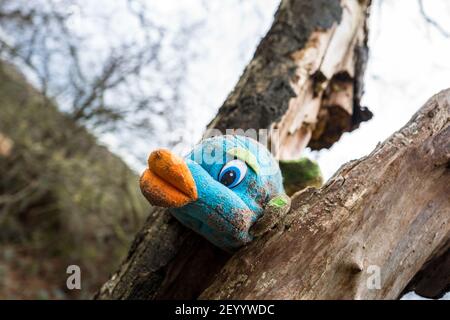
column 220, row 189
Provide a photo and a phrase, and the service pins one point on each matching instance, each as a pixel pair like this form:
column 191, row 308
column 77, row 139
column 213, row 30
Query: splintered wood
column 328, row 55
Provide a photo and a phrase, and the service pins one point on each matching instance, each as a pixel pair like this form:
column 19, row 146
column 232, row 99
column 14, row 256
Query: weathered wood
column 294, row 74
column 282, row 87
column 389, row 210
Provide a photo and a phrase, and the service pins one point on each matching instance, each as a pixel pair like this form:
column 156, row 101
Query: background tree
column 64, row 198
column 104, row 86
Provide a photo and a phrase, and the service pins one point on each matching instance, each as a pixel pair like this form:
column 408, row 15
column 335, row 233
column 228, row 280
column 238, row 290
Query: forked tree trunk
column 384, row 215
column 306, row 81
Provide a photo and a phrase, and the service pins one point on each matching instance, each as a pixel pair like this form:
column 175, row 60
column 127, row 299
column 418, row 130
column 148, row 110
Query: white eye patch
column 232, row 173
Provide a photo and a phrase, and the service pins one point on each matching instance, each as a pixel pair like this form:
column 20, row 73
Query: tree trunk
column 387, row 212
column 305, row 81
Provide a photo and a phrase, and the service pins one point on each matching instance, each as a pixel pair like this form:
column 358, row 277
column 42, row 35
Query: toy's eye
column 232, row 173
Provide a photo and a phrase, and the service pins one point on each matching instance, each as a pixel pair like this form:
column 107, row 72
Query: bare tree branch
column 432, row 21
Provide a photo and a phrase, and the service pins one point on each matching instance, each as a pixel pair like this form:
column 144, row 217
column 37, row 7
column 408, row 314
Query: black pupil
column 228, row 178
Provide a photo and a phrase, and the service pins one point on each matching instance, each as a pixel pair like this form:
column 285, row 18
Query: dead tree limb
column 305, row 79
column 389, row 211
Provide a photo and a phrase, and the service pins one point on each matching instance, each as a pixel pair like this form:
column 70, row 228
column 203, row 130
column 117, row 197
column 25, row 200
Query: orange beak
column 167, row 182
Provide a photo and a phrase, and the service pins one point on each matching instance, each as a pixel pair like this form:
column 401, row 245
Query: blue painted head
column 235, row 177
column 218, row 190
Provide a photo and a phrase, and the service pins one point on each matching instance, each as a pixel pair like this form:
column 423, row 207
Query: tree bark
column 292, row 84
column 305, row 79
column 387, row 212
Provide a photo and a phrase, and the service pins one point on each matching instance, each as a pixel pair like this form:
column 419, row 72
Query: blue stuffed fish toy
column 220, row 189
